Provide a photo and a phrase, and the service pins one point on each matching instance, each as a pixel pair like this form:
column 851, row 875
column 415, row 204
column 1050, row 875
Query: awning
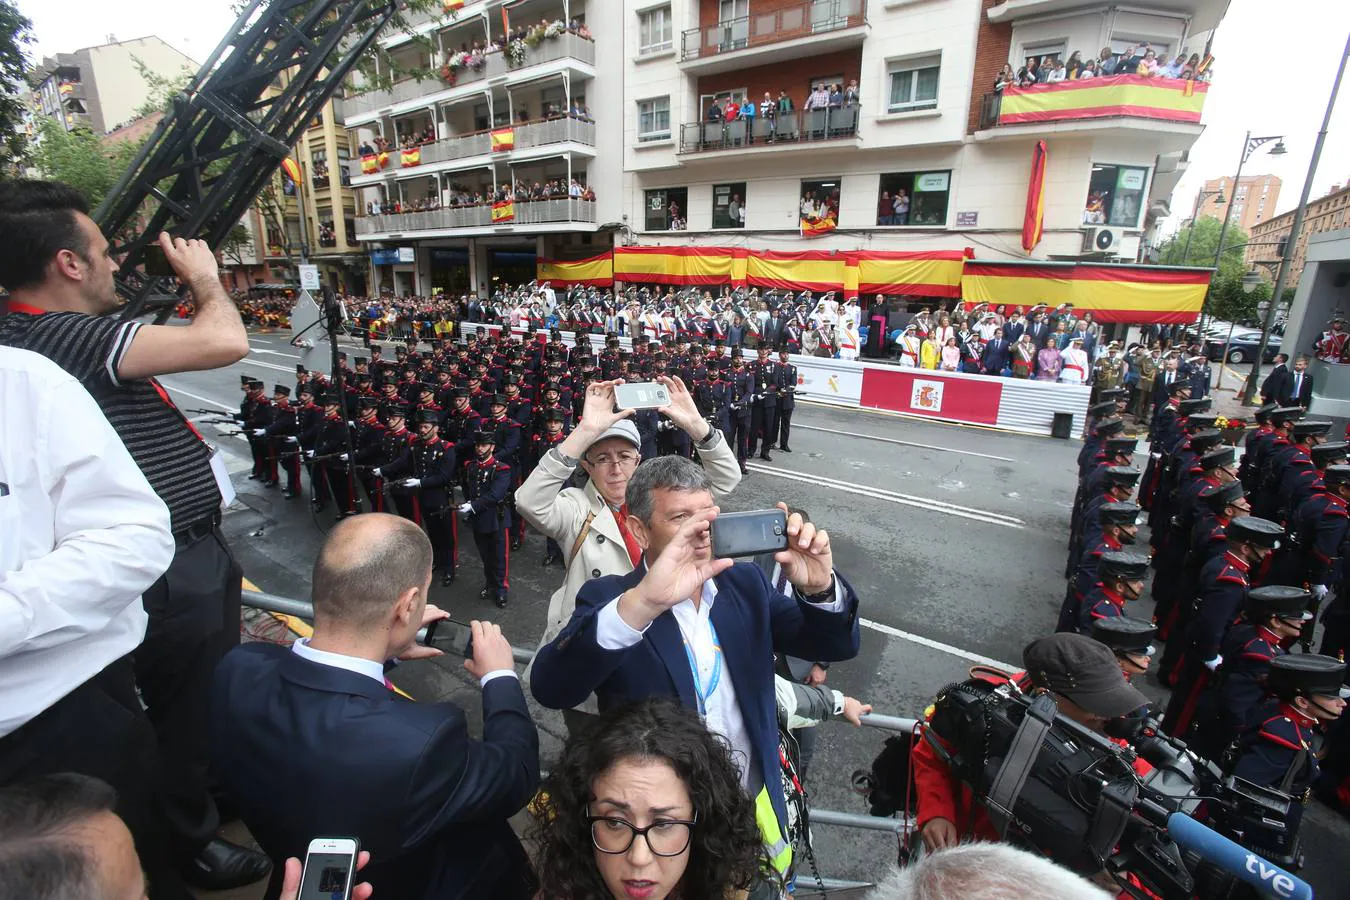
column 1113, row 293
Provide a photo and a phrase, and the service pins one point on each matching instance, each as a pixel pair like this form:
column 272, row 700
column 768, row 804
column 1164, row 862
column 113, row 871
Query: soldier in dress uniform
column 764, row 411
column 487, row 488
column 367, row 442
column 740, row 407
column 553, row 430
column 1256, row 436
column 509, row 445
column 1303, row 437
column 1159, row 434
column 1217, row 505
column 394, row 441
column 1282, row 421
column 785, row 376
column 1117, row 484
column 1223, row 590
column 1272, row 615
column 1282, row 751
column 330, row 446
column 1302, row 482
column 712, row 398
column 255, row 414
column 1130, row 639
column 427, row 469
column 552, row 400
column 281, row 439
column 1120, row 579
column 1119, row 529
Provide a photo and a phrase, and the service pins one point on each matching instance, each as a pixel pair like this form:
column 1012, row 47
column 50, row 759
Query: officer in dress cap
column 1120, row 579
column 1119, row 528
column 486, row 490
column 1130, row 639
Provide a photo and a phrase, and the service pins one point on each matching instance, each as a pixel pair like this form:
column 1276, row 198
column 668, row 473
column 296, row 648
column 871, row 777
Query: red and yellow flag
column 291, row 168
column 1113, row 293
column 818, row 227
column 370, row 164
column 1034, row 217
column 596, row 270
column 1167, row 99
column 503, row 211
column 383, row 158
column 503, row 139
column 452, row 5
column 411, row 157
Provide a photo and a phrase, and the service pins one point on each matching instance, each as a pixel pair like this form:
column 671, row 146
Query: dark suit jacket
column 772, row 332
column 752, row 621
column 306, row 750
column 1276, row 384
column 1303, row 397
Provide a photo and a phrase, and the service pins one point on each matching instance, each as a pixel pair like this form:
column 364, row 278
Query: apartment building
column 1330, row 212
column 545, row 107
column 1253, row 202
column 926, row 125
column 100, row 88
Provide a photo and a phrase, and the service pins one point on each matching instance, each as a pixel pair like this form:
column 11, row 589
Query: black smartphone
column 156, row 263
column 453, row 637
column 749, row 533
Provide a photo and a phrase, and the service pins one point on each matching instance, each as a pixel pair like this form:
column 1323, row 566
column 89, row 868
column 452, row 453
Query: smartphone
column 641, row 395
column 749, row 533
column 156, row 263
column 330, row 869
column 453, row 637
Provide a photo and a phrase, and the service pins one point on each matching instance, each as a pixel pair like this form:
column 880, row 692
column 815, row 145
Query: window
column 654, row 119
column 728, row 208
column 665, row 209
column 1040, row 51
column 819, row 199
column 914, row 198
column 1115, row 195
column 913, row 84
column 654, row 30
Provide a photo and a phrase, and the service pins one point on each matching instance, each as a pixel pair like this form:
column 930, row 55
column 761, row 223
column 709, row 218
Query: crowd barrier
column 1013, row 404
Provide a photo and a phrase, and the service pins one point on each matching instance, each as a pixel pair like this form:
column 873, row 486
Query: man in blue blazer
column 310, row 741
column 699, row 629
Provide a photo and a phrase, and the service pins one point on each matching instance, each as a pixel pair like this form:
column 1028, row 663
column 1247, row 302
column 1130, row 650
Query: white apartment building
column 926, row 123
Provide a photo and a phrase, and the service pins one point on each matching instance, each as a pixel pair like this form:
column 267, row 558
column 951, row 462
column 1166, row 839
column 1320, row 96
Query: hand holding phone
column 328, row 873
column 490, row 650
column 641, row 395
column 749, row 533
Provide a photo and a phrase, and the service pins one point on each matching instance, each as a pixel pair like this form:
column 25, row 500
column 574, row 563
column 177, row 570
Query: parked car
column 1241, row 347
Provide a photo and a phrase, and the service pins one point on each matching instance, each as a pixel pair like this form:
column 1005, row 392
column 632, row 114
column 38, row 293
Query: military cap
column 1312, row 428
column 475, row 376
column 1337, row 474
column 361, row 361
column 306, row 388
column 327, row 399
column 1306, row 674
column 1254, row 530
column 1262, row 415
column 513, row 378
column 400, row 350
column 376, row 348
column 1178, row 386
column 1124, row 634
column 1324, row 455
column 485, row 436
column 1100, row 410
column 713, row 361
column 364, row 379
column 1217, row 459
column 1122, row 475
column 1108, row 427
column 342, row 355
column 500, row 400
column 1283, row 414
column 281, row 389
column 1278, row 600
column 367, row 403
column 393, row 409
column 255, row 385
column 1201, row 421
column 1208, row 439
column 1112, row 394
column 426, row 388
column 1119, row 564
column 1220, row 495
column 1194, row 406
column 1119, row 513
column 1121, row 445
column 300, row 369
column 554, row 415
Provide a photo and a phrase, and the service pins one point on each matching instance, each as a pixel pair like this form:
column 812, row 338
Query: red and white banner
column 937, row 395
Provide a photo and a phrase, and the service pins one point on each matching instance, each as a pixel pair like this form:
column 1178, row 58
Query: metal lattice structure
column 228, row 131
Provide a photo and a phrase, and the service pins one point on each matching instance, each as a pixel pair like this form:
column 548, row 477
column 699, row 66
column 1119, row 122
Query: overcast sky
column 1274, row 64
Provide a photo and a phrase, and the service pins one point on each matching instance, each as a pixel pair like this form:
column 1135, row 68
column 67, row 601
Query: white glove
column 290, row 439
column 376, row 473
column 259, row 432
column 342, row 456
column 351, row 424
column 1213, row 664
column 465, row 509
column 309, row 454
column 1319, row 591
column 412, row 482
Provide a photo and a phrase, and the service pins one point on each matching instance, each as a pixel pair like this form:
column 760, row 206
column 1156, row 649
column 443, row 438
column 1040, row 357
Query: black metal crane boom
column 228, row 131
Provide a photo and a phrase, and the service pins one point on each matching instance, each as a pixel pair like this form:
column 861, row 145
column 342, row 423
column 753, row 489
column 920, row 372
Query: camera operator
column 984, row 871
column 1085, row 681
column 59, row 270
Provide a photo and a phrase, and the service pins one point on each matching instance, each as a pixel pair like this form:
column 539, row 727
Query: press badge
column 222, row 476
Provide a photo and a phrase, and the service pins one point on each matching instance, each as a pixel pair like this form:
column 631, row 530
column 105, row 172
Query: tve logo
column 1281, row 885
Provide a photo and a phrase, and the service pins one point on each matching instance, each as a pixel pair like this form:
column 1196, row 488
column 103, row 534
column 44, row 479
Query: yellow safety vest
column 780, row 851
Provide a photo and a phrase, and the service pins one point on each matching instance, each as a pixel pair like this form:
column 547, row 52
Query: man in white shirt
column 1076, row 366
column 82, row 536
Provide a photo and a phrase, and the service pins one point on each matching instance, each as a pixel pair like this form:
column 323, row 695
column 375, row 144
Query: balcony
column 1204, row 15
column 822, row 26
column 535, row 212
column 363, row 108
column 538, row 133
column 797, row 130
column 1162, row 106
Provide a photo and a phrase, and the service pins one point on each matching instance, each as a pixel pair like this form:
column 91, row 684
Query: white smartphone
column 641, row 395
column 330, row 869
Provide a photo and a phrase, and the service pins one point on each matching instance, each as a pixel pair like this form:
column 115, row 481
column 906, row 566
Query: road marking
column 873, row 437
column 178, row 390
column 266, row 365
column 273, row 352
column 932, row 505
column 937, row 645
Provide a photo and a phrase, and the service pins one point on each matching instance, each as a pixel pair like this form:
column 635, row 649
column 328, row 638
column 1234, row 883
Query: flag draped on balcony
column 370, row 164
column 1168, row 99
column 1113, row 293
column 597, row 271
column 503, row 211
column 503, row 139
column 816, row 227
column 452, row 5
column 1034, row 216
column 411, row 157
column 292, row 169
column 383, row 158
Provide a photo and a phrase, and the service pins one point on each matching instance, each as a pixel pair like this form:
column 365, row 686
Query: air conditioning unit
column 1100, row 239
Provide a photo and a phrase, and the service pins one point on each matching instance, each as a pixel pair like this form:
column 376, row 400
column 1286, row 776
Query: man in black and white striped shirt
column 58, row 270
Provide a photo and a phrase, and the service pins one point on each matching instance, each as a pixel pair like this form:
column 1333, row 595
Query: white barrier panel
column 836, row 381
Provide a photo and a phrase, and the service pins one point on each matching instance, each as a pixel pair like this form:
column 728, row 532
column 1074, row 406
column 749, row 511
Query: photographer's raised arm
column 216, row 336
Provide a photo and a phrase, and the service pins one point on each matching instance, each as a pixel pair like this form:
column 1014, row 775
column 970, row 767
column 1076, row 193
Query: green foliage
column 16, row 32
column 1203, row 239
column 235, row 242
column 160, row 89
column 1227, row 300
column 389, row 69
column 80, row 159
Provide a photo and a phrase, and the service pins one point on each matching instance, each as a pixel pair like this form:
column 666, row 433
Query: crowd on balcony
column 327, row 234
column 462, row 196
column 1140, row 59
column 818, row 209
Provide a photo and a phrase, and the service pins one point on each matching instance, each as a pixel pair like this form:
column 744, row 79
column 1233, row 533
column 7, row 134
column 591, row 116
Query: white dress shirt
column 82, row 535
column 722, row 713
column 366, row 667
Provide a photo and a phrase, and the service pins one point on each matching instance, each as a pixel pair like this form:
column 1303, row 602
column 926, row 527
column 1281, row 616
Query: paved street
column 953, row 538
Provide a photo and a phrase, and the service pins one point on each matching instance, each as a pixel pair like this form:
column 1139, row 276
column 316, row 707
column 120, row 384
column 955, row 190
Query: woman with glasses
column 646, row 804
column 590, row 523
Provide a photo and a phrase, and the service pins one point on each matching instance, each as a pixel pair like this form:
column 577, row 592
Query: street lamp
column 1250, row 282
column 1195, row 213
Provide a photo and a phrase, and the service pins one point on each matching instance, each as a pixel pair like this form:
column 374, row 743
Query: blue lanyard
column 699, row 694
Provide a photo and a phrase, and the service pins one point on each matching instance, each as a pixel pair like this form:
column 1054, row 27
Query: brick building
column 1330, row 212
column 1253, row 202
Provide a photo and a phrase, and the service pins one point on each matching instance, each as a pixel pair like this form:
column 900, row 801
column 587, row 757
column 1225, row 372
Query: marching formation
column 479, row 416
column 1246, row 556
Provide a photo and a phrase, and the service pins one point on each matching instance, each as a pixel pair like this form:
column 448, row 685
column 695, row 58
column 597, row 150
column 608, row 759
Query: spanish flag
column 370, row 164
column 596, row 270
column 1167, row 295
column 503, row 211
column 411, row 157
column 503, row 139
column 452, row 5
column 818, row 227
column 292, row 169
column 1136, row 96
column 383, row 159
column 1033, row 218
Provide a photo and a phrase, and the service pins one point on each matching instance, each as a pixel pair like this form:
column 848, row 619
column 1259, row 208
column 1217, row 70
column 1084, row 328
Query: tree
column 160, row 89
column 16, row 32
column 80, row 159
column 1203, row 240
column 232, row 247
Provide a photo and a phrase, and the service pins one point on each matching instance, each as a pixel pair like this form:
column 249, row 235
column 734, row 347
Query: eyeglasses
column 622, row 460
column 667, row 837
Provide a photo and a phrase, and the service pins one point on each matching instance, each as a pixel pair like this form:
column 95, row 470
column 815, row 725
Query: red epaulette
column 502, row 467
column 1247, row 652
column 1280, row 739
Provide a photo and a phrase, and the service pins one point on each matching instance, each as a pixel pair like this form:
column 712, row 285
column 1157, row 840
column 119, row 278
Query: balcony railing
column 1113, row 96
column 800, row 127
column 804, row 20
column 527, row 134
column 564, row 46
column 530, row 212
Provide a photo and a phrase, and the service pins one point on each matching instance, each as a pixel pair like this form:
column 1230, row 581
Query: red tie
column 390, row 685
column 634, row 551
